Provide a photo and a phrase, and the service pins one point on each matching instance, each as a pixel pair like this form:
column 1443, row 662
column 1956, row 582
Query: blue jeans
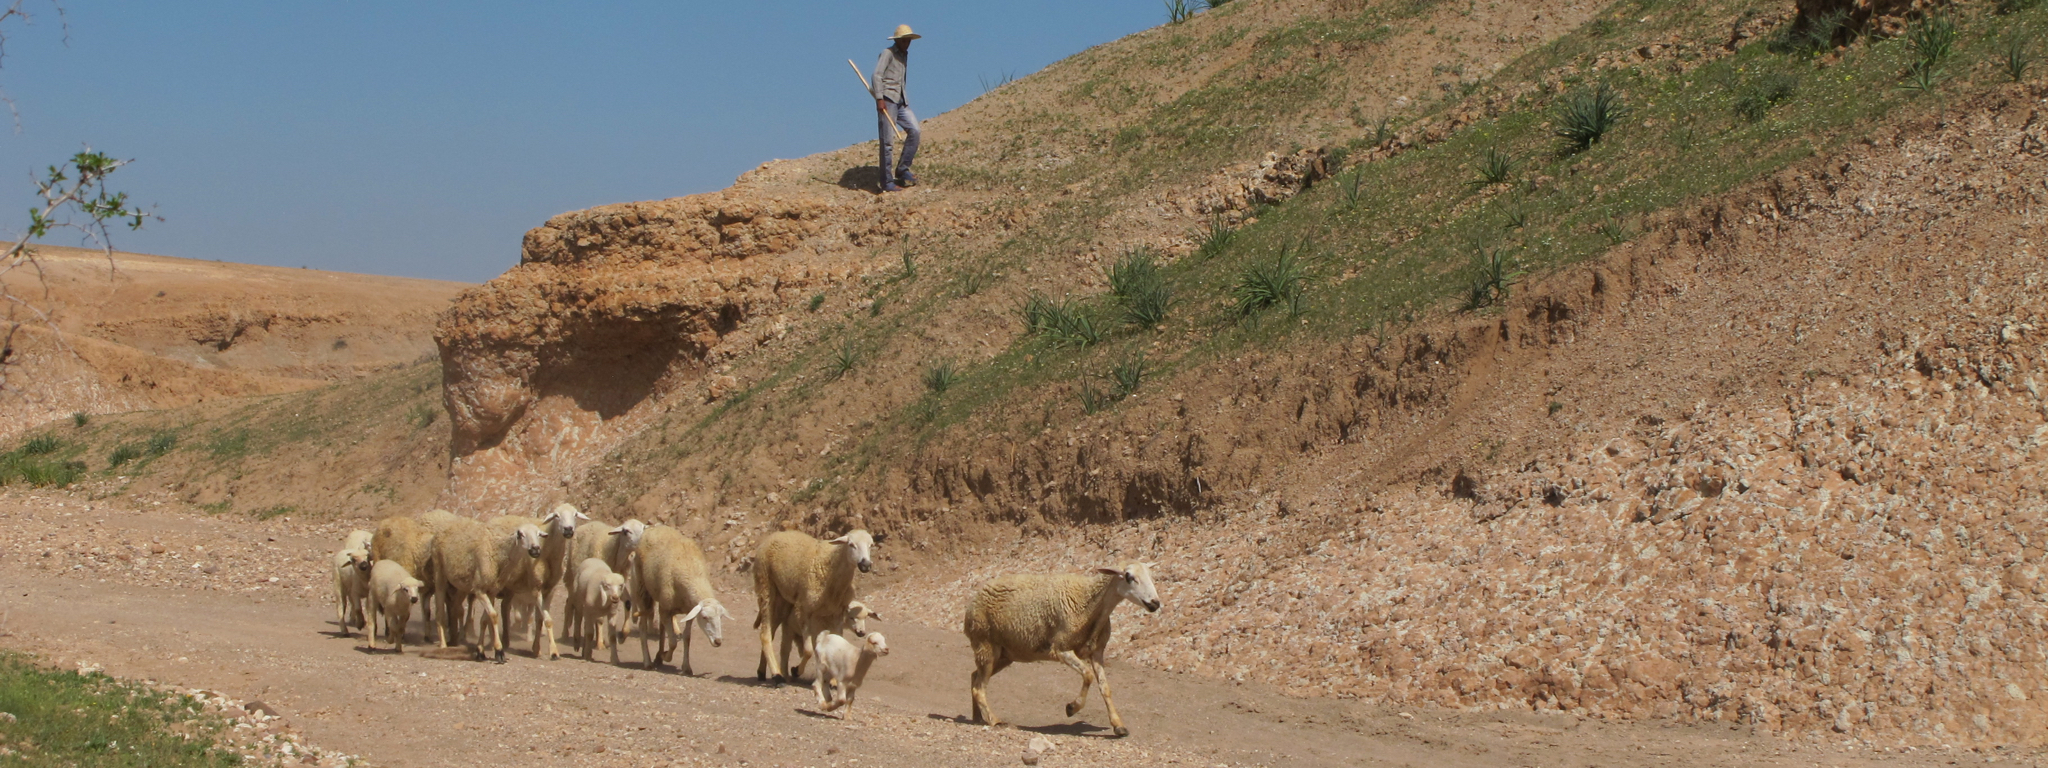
column 900, row 115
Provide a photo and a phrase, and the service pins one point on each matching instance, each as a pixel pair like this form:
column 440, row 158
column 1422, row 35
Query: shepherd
column 893, row 109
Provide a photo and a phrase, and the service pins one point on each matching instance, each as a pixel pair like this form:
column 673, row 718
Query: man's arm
column 881, row 105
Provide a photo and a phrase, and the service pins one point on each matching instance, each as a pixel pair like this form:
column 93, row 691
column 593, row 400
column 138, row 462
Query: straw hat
column 903, row 33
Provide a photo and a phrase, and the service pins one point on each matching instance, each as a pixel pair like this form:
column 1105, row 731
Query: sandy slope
column 142, row 331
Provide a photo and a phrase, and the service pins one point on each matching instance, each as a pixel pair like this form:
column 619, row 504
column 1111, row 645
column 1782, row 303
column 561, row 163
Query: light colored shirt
column 889, row 75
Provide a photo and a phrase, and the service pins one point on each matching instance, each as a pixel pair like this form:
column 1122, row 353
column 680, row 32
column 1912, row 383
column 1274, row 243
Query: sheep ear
column 840, row 540
column 881, row 537
column 723, row 613
column 1110, row 571
column 873, row 615
column 581, row 516
column 616, row 531
column 691, row 615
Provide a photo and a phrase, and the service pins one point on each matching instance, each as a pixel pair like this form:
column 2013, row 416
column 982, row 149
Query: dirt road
column 246, row 613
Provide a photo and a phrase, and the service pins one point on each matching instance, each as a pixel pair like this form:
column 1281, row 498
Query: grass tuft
column 1216, row 237
column 1127, row 375
column 1756, row 98
column 35, row 463
column 80, row 419
column 817, row 300
column 123, row 454
column 843, row 360
column 1494, row 276
column 1178, row 11
column 1933, row 39
column 940, row 376
column 1586, row 116
column 2009, row 7
column 2015, row 57
column 1494, row 168
column 1270, row 283
column 1062, row 322
column 1140, row 288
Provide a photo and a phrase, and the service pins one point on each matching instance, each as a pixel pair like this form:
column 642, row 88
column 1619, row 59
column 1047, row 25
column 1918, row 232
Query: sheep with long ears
column 1062, row 617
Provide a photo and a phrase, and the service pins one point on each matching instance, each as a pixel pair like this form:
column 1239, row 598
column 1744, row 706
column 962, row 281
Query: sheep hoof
column 1072, row 707
column 1120, row 731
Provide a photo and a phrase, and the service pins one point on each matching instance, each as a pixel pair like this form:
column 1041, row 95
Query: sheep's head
column 710, row 616
column 857, row 615
column 614, row 589
column 564, row 518
column 861, row 545
column 877, row 644
column 629, row 534
column 411, row 589
column 360, row 560
column 529, row 537
column 1134, row 583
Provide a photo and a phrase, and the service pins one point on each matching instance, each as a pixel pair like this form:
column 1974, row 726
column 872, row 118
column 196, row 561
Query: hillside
column 151, row 332
column 1733, row 415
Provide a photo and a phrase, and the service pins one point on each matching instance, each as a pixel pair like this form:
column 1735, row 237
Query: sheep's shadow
column 1062, row 729
column 816, row 715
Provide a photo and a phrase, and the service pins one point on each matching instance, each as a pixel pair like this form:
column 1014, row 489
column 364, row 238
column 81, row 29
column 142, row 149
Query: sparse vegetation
column 61, row 717
column 1933, row 39
column 1062, row 321
column 1215, row 237
column 1127, row 375
column 2009, row 7
column 80, row 419
column 940, row 376
column 1093, row 399
column 1816, row 34
column 1494, row 168
column 1585, row 116
column 817, row 300
column 843, row 360
column 1140, row 288
column 36, row 463
column 123, row 454
column 1264, row 284
column 2016, row 56
column 1494, row 276
column 1756, row 97
column 1178, row 11
column 991, row 83
column 274, row 511
column 423, row 415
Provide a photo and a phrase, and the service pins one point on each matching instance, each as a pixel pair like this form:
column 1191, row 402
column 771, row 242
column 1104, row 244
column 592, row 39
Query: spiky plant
column 1586, row 116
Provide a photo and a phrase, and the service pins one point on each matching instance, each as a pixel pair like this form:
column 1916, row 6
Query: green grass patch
column 64, row 718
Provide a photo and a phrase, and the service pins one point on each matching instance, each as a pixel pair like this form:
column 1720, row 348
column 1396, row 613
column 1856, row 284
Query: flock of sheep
column 452, row 567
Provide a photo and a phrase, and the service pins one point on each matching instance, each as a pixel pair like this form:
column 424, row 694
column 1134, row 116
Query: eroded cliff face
column 553, row 362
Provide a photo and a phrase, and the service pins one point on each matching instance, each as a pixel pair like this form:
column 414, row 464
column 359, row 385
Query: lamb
column 804, row 586
column 844, row 665
column 393, row 593
column 351, row 587
column 612, row 545
column 357, row 539
column 409, row 543
column 474, row 562
column 670, row 577
column 595, row 597
column 559, row 532
column 1047, row 617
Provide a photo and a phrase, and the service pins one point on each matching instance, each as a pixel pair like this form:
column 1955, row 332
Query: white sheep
column 1061, row 617
column 479, row 563
column 596, row 596
column 803, row 586
column 393, row 593
column 842, row 665
column 357, row 539
column 671, row 578
column 351, row 587
column 613, row 545
column 409, row 543
column 535, row 594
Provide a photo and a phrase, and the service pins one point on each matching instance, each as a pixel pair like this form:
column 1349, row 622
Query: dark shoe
column 890, row 186
column 907, row 179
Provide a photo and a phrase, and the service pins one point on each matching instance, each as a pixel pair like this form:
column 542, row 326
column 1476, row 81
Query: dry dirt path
column 213, row 618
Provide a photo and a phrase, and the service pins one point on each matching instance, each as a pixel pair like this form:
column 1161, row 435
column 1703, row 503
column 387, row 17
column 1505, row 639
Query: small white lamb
column 393, row 593
column 845, row 665
column 351, row 588
column 596, row 595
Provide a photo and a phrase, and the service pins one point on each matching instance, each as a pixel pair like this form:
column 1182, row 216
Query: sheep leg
column 499, row 618
column 1087, row 679
column 1116, row 723
column 652, row 614
column 544, row 630
column 769, row 621
column 614, row 624
column 987, row 662
column 398, row 630
column 687, row 672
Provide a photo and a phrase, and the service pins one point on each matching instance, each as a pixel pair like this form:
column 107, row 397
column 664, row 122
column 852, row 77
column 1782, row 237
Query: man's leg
column 908, row 120
column 888, row 130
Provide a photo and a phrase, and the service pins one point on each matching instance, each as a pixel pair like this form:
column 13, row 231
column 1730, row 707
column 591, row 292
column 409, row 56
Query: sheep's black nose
column 866, row 566
column 568, row 533
column 533, row 551
column 1152, row 606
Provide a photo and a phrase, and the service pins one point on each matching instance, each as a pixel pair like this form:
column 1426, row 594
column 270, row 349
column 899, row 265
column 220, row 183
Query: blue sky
column 424, row 139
